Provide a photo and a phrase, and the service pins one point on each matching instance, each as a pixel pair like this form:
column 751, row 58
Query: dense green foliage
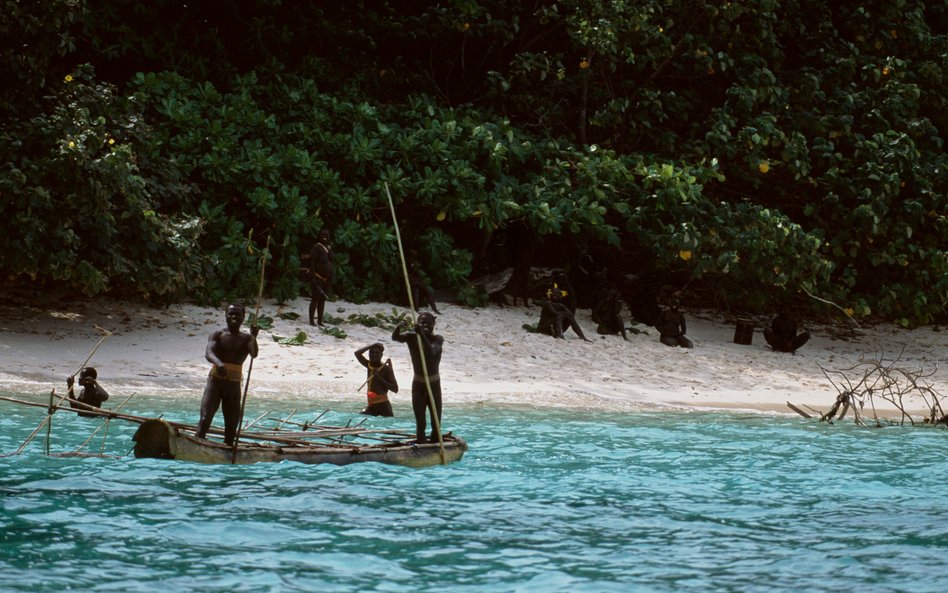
column 751, row 148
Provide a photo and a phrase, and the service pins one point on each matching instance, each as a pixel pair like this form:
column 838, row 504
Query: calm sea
column 577, row 501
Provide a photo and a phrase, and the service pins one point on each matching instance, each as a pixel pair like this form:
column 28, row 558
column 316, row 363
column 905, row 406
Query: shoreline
column 488, row 358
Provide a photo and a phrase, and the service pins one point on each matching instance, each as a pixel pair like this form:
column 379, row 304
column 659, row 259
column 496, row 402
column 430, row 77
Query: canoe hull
column 159, row 440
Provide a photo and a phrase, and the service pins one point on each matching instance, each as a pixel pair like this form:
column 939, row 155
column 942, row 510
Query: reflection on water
column 543, row 501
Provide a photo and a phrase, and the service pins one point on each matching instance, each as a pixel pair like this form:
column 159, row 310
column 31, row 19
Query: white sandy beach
column 488, row 358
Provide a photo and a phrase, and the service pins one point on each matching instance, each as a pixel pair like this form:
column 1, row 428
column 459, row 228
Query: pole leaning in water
column 256, row 318
column 421, row 351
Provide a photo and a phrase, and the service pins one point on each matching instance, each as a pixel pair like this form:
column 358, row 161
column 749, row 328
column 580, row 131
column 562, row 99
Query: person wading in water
column 379, row 381
column 91, row 394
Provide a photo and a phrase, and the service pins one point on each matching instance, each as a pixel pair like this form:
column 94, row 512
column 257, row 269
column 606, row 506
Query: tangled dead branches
column 906, row 389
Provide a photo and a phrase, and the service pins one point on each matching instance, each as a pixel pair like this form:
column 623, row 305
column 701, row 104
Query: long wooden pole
column 106, row 333
column 256, row 317
column 49, row 421
column 435, row 421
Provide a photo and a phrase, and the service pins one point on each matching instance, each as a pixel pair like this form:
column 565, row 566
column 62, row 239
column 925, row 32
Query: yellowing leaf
column 441, row 215
column 684, row 254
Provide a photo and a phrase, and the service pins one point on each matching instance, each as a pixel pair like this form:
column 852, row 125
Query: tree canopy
column 751, row 149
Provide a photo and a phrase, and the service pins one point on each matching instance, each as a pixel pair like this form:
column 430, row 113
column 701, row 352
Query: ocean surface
column 544, row 500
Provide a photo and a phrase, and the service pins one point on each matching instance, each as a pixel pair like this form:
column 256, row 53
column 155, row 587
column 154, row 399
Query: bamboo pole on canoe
column 255, row 420
column 49, row 420
column 104, row 424
column 435, row 421
column 256, row 317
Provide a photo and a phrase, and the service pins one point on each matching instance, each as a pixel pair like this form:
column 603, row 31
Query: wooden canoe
column 159, row 439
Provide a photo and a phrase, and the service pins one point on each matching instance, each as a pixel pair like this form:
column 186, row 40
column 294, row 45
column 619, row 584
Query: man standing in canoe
column 227, row 349
column 425, row 349
column 379, row 381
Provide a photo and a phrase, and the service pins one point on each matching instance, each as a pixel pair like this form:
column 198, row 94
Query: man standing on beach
column 425, row 348
column 379, row 381
column 227, row 349
column 322, row 270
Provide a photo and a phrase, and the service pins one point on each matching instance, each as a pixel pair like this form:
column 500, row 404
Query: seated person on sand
column 555, row 318
column 420, row 291
column 608, row 314
column 91, row 394
column 560, row 291
column 379, row 381
column 671, row 326
column 782, row 334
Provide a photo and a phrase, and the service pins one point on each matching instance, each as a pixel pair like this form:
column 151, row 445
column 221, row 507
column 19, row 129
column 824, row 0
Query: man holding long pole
column 426, row 344
column 227, row 349
column 425, row 348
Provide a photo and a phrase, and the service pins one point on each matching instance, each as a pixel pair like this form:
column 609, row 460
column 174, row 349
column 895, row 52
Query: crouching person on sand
column 672, row 328
column 556, row 318
column 379, row 381
column 782, row 334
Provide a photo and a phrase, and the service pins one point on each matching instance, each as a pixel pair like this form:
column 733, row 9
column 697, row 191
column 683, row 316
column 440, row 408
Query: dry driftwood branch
column 845, row 312
column 904, row 388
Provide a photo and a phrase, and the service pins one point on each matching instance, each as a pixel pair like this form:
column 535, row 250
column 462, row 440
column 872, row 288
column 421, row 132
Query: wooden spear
column 435, row 421
column 256, row 318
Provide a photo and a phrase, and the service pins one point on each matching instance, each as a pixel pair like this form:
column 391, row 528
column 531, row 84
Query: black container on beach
column 744, row 332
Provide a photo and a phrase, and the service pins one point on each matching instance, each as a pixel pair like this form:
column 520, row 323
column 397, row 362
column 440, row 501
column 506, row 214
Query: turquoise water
column 543, row 501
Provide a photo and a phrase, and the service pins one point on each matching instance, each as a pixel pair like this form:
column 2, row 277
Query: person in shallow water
column 782, row 334
column 92, row 393
column 379, row 381
column 425, row 348
column 227, row 349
